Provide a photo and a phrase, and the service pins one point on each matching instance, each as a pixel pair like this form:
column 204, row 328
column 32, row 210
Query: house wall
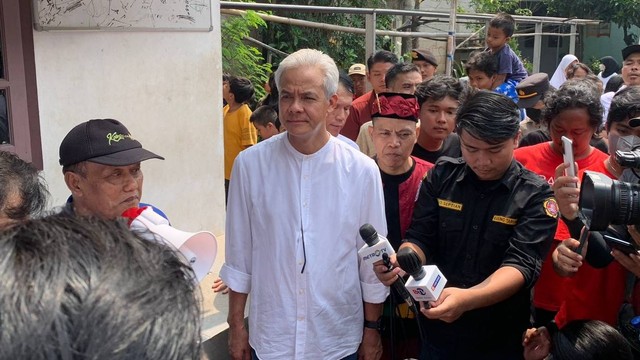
column 597, row 47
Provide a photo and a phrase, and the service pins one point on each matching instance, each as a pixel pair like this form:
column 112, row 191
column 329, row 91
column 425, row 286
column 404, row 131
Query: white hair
column 315, row 58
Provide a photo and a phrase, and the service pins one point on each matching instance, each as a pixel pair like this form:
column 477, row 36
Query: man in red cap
column 394, row 133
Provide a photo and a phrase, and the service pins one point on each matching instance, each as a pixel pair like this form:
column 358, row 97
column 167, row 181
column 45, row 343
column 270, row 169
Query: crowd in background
column 466, row 174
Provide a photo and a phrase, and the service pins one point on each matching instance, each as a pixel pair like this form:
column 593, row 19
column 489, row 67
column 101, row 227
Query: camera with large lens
column 606, row 201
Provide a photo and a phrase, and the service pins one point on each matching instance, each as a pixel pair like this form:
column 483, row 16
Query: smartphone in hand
column 567, row 147
column 622, row 245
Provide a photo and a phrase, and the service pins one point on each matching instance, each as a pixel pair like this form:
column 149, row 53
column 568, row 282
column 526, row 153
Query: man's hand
column 239, row 343
column 630, row 262
column 371, row 346
column 220, row 286
column 451, row 304
column 635, row 234
column 566, row 261
column 566, row 195
column 537, row 344
column 384, row 275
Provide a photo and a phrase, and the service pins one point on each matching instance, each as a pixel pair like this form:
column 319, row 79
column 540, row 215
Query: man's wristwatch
column 376, row 325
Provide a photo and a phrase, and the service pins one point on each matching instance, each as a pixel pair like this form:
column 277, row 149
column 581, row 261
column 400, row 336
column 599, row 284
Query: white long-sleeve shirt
column 292, row 240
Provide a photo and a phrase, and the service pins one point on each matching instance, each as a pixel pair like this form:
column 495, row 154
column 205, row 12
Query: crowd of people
column 468, row 175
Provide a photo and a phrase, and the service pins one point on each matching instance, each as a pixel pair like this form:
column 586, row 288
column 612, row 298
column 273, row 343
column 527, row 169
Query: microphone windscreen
column 369, row 234
column 410, row 262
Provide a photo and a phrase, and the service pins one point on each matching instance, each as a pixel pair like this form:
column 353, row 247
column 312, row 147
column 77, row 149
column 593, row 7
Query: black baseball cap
column 102, row 141
column 532, row 89
column 630, row 50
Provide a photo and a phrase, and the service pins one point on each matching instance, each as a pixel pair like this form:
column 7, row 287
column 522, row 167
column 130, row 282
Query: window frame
column 20, row 81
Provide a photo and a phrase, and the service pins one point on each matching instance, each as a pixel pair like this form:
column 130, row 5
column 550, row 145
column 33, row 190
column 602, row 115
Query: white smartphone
column 567, row 146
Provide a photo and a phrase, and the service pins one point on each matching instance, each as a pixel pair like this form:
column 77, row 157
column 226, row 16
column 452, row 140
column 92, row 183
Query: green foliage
column 625, row 13
column 594, row 64
column 495, row 6
column 344, row 48
column 458, row 70
column 239, row 58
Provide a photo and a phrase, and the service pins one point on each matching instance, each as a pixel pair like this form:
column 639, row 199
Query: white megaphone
column 198, row 249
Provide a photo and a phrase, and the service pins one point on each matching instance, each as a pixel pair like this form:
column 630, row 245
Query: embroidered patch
column 504, row 220
column 551, row 207
column 449, row 205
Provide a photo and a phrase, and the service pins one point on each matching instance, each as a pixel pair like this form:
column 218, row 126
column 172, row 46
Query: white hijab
column 559, row 77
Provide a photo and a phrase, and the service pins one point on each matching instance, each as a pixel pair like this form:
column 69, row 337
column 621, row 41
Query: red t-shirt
column 594, row 294
column 359, row 114
column 540, row 158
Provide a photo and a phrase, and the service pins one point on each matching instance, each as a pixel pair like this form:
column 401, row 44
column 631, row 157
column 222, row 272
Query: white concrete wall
column 165, row 87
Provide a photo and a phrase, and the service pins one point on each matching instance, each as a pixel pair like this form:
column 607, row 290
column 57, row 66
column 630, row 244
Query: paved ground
column 215, row 306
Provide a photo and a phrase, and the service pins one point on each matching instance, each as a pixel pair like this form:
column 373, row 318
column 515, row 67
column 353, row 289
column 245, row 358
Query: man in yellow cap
column 358, row 73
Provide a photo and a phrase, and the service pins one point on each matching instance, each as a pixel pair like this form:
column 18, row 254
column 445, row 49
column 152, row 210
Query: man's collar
column 506, row 179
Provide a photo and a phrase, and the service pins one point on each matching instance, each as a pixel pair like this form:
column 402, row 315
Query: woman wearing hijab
column 609, row 67
column 560, row 76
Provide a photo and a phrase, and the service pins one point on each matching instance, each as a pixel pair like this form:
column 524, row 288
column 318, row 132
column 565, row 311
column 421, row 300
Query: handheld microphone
column 375, row 247
column 426, row 282
column 198, row 250
column 379, row 248
column 398, row 285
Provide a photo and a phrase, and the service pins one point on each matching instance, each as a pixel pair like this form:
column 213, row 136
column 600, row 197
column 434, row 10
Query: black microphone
column 376, row 245
column 410, row 262
column 379, row 248
column 426, row 282
column 398, row 285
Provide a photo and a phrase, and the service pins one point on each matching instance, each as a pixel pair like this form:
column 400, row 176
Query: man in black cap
column 630, row 74
column 426, row 61
column 101, row 166
column 531, row 91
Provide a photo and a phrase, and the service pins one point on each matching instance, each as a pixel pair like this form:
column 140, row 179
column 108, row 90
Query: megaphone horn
column 198, row 249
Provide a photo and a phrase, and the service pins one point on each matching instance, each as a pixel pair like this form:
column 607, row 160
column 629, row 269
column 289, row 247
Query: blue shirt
column 510, row 64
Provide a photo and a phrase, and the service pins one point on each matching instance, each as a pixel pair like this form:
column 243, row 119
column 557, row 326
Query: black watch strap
column 376, row 325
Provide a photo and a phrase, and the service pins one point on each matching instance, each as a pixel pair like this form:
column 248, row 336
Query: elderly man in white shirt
column 296, row 202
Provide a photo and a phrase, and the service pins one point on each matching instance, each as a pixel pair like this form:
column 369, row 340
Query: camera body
column 606, row 201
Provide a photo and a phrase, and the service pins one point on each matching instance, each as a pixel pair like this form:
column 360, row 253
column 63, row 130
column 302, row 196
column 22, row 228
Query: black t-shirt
column 450, row 147
column 392, row 204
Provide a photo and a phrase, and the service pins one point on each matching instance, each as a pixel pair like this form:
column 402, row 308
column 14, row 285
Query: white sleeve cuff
column 374, row 293
column 235, row 280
